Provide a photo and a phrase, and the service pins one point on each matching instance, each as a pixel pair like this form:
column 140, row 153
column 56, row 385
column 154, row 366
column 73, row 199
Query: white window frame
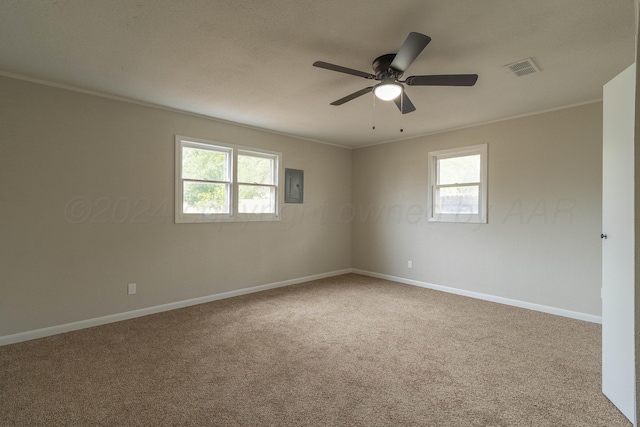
column 234, row 215
column 433, row 158
column 248, row 216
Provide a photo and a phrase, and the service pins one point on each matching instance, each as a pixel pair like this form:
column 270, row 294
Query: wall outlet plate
column 131, row 288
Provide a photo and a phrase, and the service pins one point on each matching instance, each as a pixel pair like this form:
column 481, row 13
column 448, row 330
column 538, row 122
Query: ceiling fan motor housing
column 382, row 67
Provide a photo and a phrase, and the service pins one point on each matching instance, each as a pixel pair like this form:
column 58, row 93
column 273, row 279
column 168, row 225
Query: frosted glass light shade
column 387, row 91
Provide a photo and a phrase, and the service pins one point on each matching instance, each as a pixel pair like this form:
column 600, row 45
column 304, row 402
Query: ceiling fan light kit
column 389, row 69
column 387, row 91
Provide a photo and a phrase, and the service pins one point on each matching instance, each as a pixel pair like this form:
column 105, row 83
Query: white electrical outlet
column 410, row 264
column 131, row 288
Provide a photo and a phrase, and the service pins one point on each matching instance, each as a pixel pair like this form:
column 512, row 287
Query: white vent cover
column 524, row 67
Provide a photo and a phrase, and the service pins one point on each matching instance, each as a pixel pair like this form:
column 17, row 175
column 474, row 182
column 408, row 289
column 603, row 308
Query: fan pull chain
column 374, row 112
column 401, row 110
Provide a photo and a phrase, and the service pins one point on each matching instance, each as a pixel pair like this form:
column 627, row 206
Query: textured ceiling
column 250, row 61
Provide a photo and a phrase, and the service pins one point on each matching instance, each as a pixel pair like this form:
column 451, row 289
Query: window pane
column 204, row 197
column 256, row 199
column 205, row 164
column 255, row 170
column 459, row 170
column 455, row 200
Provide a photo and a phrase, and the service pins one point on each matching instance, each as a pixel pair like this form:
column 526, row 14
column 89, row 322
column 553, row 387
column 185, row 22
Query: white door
column 618, row 367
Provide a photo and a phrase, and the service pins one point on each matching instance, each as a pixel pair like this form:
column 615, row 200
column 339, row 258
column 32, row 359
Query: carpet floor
column 344, row 351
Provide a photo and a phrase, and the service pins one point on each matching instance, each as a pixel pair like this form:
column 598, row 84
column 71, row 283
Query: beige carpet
column 345, row 351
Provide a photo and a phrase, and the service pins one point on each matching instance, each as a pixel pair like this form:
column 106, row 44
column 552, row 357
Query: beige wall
column 542, row 242
column 86, row 207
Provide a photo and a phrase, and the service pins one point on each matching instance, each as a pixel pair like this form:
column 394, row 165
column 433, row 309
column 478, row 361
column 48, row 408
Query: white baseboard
column 88, row 323
column 507, row 301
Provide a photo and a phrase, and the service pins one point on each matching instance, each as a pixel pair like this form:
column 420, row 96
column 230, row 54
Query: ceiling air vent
column 524, row 67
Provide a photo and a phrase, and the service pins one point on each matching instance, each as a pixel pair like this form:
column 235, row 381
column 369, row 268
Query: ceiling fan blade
column 404, row 103
column 411, row 48
column 338, row 68
column 354, row 95
column 443, row 80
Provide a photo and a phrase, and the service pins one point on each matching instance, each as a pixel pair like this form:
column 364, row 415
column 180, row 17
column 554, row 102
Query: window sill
column 459, row 219
column 199, row 218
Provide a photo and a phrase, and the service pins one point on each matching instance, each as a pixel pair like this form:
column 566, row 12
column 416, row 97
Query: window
column 256, row 182
column 221, row 182
column 458, row 185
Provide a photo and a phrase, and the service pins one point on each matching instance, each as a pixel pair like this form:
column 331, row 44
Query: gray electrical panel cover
column 293, row 186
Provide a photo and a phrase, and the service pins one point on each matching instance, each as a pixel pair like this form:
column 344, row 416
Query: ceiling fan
column 389, row 69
